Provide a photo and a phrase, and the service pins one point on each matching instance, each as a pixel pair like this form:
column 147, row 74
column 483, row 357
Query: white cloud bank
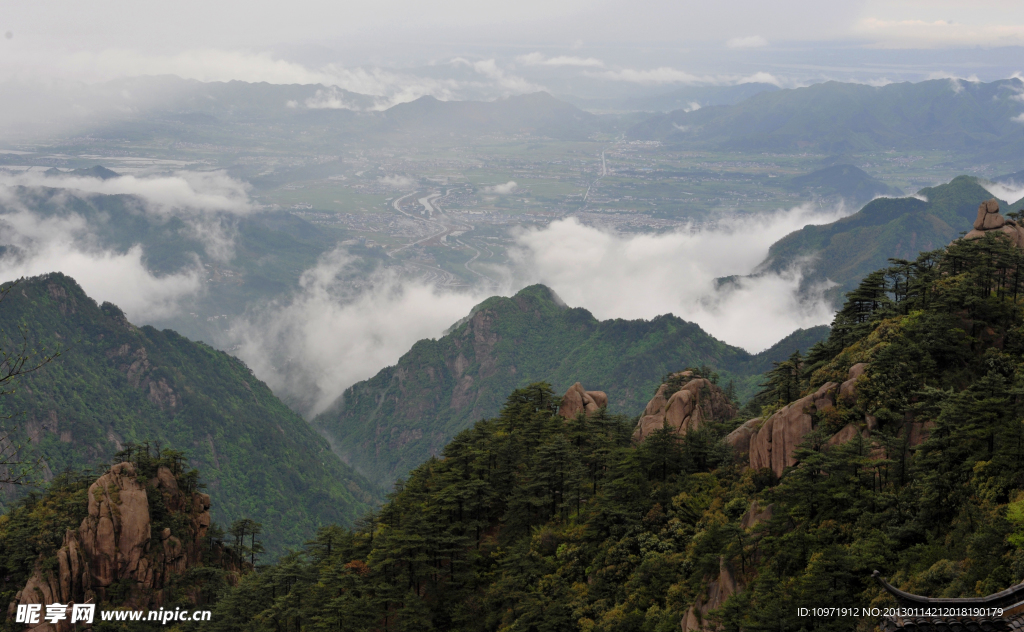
column 65, row 242
column 537, row 59
column 40, row 246
column 313, row 345
column 397, row 181
column 1009, row 191
column 642, row 276
column 502, row 189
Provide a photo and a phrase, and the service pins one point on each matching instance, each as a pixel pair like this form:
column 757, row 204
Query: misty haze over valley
column 512, row 316
column 318, row 232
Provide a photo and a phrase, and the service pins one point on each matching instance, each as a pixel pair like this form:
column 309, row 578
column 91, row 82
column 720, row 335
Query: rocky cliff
column 122, row 554
column 686, row 400
column 832, row 408
column 682, row 403
column 990, row 221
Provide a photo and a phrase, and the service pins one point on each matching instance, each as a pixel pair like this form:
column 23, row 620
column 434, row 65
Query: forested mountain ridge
column 533, row 522
column 841, row 118
column 845, row 183
column 116, row 384
column 846, row 250
column 384, row 426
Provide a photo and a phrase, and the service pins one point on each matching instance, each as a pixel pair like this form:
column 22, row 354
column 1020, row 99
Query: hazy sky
column 168, row 27
column 661, row 42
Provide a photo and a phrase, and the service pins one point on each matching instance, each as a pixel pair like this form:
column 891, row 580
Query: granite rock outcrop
column 578, row 400
column 684, row 402
column 116, row 544
column 771, row 443
column 718, row 591
column 990, row 221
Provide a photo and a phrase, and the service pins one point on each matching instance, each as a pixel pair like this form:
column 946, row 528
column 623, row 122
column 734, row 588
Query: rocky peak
column 684, row 401
column 989, row 220
column 116, row 543
column 577, row 400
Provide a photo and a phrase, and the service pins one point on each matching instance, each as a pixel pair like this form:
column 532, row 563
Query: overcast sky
column 622, row 42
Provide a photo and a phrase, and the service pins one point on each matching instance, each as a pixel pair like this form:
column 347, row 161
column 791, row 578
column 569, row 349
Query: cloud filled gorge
column 311, row 346
column 93, row 230
column 643, row 276
column 322, row 336
column 325, row 337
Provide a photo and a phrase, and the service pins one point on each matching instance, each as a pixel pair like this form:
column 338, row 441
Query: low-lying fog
column 324, row 336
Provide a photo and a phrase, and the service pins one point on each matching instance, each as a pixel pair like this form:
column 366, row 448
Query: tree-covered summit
column 117, row 384
column 386, row 425
column 531, row 522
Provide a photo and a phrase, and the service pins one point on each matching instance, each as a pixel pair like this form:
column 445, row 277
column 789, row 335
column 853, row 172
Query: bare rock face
column 683, row 404
column 718, row 591
column 756, row 515
column 848, row 432
column 116, row 542
column 989, row 220
column 848, row 389
column 772, row 445
column 739, row 439
column 772, row 442
column 916, row 432
column 577, row 400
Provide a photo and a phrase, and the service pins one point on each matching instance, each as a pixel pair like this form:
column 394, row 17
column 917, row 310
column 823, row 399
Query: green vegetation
column 116, row 384
column 33, row 531
column 846, row 250
column 388, row 424
column 530, row 522
column 845, row 182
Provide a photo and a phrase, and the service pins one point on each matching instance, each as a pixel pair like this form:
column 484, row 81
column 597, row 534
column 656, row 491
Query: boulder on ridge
column 682, row 404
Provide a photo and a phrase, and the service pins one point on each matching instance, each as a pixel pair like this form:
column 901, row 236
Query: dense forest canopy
column 531, row 522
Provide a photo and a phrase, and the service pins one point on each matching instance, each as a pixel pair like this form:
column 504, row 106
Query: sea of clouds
column 313, row 342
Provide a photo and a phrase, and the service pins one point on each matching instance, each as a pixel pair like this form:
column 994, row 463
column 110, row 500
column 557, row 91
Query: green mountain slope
column 116, row 384
column 845, row 182
column 847, row 250
column 384, row 426
column 529, row 522
column 837, row 118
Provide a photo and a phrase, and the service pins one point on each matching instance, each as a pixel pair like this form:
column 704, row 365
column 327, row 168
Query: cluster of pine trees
column 529, row 522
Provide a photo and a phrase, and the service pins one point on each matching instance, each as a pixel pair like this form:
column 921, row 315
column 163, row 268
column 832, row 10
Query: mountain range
column 387, row 424
column 846, row 183
column 836, row 118
column 145, row 107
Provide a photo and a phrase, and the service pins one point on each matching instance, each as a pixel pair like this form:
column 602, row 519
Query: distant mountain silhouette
column 838, row 118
